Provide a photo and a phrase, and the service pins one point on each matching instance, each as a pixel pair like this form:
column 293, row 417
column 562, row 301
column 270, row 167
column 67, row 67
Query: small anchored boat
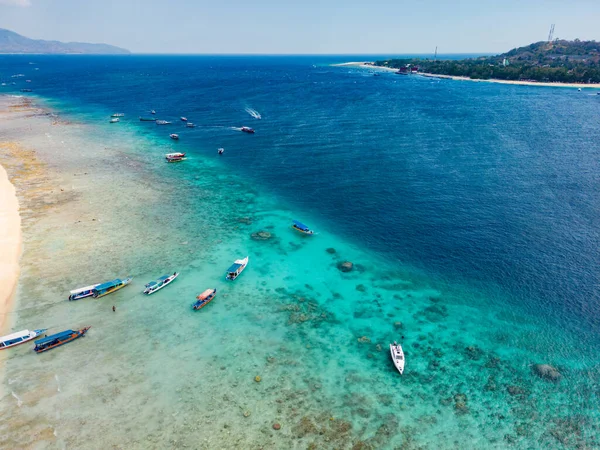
column 26, row 90
column 157, row 285
column 83, row 292
column 397, row 356
column 152, row 112
column 247, row 130
column 236, row 268
column 174, row 136
column 190, row 125
column 302, row 228
column 204, row 299
column 58, row 339
column 114, row 120
column 184, row 119
column 147, row 119
column 118, row 115
column 110, row 286
column 163, row 122
column 175, row 157
column 18, row 338
column 221, row 151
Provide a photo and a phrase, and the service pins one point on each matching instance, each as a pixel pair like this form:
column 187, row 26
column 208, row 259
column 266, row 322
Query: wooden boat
column 204, row 299
column 248, row 130
column 83, row 292
column 175, row 157
column 58, row 339
column 299, row 226
column 236, row 268
column 118, row 115
column 114, row 120
column 147, row 119
column 110, row 286
column 397, row 356
column 174, row 136
column 157, row 285
column 18, row 338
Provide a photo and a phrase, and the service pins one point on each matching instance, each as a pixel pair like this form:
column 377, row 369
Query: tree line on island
column 558, row 61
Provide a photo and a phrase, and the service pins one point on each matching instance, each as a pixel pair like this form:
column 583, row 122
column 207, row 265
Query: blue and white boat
column 83, row 292
column 58, row 339
column 236, row 268
column 204, row 299
column 299, row 226
column 110, row 286
column 20, row 337
column 157, row 285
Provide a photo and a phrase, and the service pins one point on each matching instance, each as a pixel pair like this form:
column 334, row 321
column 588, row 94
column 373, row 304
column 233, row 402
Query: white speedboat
column 20, row 337
column 221, row 151
column 184, row 119
column 190, row 125
column 118, row 115
column 174, row 136
column 163, row 122
column 236, row 268
column 175, row 157
column 157, row 285
column 114, row 120
column 397, row 356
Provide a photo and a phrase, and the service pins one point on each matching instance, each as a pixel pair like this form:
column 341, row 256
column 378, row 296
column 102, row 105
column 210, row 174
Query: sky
column 306, row 26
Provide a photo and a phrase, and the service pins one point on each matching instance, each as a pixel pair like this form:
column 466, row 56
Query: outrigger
column 58, row 339
column 110, row 286
column 18, row 338
column 204, row 299
column 83, row 292
column 236, row 269
column 299, row 226
column 157, row 285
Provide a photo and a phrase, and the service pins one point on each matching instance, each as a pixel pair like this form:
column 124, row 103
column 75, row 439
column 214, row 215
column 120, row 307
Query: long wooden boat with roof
column 299, row 226
column 204, row 299
column 397, row 356
column 160, row 283
column 20, row 337
column 110, row 286
column 58, row 339
column 83, row 292
column 236, row 268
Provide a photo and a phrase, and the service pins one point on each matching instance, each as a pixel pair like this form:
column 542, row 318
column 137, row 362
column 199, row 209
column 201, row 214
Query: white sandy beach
column 364, row 65
column 10, row 247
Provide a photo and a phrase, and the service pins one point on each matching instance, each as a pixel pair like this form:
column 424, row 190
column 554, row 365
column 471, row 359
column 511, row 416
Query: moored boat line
column 20, row 337
column 58, row 339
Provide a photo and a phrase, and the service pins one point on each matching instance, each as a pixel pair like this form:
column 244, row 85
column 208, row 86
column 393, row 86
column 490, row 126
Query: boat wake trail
column 254, row 113
column 236, row 128
column 19, row 401
column 57, row 382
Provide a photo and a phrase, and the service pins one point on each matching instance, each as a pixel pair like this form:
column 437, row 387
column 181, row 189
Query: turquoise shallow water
column 158, row 375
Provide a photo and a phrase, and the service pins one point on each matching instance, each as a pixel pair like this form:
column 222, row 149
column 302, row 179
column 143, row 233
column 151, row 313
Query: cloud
column 16, row 2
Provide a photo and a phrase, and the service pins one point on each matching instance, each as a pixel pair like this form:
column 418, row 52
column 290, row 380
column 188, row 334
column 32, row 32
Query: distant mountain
column 11, row 42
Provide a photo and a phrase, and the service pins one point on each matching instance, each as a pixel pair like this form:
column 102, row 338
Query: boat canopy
column 205, row 294
column 234, row 267
column 301, row 226
column 83, row 289
column 163, row 278
column 62, row 335
column 108, row 284
column 18, row 334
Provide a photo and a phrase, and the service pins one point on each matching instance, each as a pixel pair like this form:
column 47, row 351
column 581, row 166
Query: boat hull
column 397, row 355
column 76, row 335
column 115, row 289
column 165, row 284
column 34, row 334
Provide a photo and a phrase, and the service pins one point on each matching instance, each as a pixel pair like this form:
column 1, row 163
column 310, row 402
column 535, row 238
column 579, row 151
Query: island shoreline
column 364, row 65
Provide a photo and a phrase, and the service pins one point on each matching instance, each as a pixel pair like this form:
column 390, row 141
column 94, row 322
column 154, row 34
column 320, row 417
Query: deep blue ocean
column 476, row 182
column 489, row 187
